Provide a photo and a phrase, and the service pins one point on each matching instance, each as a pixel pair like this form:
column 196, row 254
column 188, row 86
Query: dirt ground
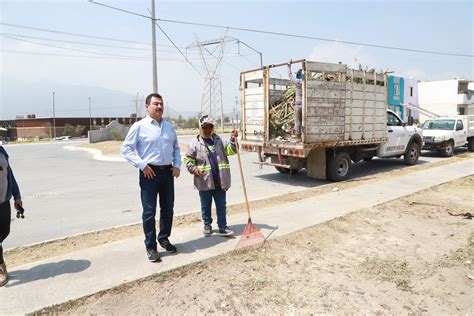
column 405, row 256
column 30, row 253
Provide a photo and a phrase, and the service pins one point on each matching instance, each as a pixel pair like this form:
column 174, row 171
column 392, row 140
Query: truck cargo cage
column 340, row 106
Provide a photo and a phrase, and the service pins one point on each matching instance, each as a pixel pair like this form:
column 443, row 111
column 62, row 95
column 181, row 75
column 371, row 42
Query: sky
column 440, row 26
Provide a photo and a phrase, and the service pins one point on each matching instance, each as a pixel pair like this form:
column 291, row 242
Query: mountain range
column 19, row 98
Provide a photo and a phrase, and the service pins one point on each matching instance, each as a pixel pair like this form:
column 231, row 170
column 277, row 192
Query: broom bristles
column 251, row 236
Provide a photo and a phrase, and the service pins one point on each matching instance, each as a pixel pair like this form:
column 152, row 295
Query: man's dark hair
column 153, row 95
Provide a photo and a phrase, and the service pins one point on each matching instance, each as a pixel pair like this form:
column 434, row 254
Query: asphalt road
column 67, row 192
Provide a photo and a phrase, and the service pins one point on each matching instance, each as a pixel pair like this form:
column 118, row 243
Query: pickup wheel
column 448, row 150
column 470, row 144
column 339, row 166
column 286, row 170
column 412, row 154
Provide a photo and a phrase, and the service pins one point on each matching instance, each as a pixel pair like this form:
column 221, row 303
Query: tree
column 48, row 129
column 116, row 135
column 192, row 123
column 78, row 130
column 68, row 130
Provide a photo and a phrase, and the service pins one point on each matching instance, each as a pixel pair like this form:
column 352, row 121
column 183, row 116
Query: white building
column 446, row 97
column 410, row 97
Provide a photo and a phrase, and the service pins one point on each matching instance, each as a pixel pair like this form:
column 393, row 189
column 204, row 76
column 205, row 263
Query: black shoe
column 207, row 230
column 226, row 231
column 153, row 255
column 167, row 245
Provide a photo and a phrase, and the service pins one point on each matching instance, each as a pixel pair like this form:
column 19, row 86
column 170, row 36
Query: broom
column 251, row 236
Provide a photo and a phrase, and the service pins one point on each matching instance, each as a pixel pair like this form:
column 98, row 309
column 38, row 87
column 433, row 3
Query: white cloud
column 350, row 55
column 415, row 73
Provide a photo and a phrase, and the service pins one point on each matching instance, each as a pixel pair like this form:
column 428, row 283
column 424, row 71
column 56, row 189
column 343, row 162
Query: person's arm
column 176, row 151
column 190, row 160
column 290, row 75
column 15, row 189
column 129, row 146
column 231, row 146
column 176, row 155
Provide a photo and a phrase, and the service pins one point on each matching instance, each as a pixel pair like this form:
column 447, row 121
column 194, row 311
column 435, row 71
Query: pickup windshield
column 439, row 124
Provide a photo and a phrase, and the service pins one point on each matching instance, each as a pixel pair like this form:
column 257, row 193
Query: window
column 459, row 125
column 396, row 89
column 440, row 124
column 392, row 120
column 463, row 87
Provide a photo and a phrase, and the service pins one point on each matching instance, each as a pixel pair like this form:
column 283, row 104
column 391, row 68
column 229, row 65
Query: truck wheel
column 470, row 144
column 412, row 154
column 339, row 166
column 286, row 170
column 448, row 150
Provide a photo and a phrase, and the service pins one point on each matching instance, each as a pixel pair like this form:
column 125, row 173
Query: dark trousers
column 219, row 196
column 5, row 219
column 162, row 185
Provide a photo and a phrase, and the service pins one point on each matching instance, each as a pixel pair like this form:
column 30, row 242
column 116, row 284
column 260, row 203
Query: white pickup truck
column 443, row 134
column 344, row 120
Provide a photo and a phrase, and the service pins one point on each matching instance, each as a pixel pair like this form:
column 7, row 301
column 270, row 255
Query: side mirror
column 404, row 124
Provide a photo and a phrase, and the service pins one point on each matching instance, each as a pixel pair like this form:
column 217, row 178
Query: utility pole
column 136, row 109
column 90, row 115
column 153, row 34
column 236, row 110
column 54, row 118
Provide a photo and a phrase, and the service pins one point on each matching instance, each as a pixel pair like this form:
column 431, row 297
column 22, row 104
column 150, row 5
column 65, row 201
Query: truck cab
column 399, row 135
column 444, row 134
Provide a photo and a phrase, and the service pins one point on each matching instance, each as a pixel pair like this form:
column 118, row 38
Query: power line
column 68, row 55
column 10, row 51
column 74, row 42
column 73, row 34
column 87, row 43
column 122, row 10
column 290, row 35
column 316, row 38
column 187, row 60
column 70, row 49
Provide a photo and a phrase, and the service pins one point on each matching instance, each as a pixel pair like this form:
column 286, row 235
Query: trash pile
column 282, row 113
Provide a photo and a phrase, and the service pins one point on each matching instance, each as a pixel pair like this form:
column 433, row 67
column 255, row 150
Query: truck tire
column 412, row 153
column 339, row 166
column 470, row 144
column 448, row 150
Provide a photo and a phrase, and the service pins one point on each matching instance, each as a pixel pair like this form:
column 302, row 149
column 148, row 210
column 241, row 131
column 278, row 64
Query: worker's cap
column 206, row 120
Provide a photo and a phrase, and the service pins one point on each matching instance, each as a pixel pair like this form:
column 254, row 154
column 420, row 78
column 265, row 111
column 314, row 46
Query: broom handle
column 242, row 177
column 241, row 173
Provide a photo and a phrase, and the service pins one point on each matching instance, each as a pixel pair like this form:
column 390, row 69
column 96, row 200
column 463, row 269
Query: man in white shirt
column 152, row 146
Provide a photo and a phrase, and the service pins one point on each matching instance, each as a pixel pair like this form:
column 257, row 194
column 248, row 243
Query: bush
column 116, row 135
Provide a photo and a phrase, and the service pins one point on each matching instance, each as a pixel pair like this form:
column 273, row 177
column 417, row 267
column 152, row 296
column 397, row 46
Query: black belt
column 162, row 167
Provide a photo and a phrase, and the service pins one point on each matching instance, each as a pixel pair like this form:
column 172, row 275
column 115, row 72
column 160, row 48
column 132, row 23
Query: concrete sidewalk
column 85, row 272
